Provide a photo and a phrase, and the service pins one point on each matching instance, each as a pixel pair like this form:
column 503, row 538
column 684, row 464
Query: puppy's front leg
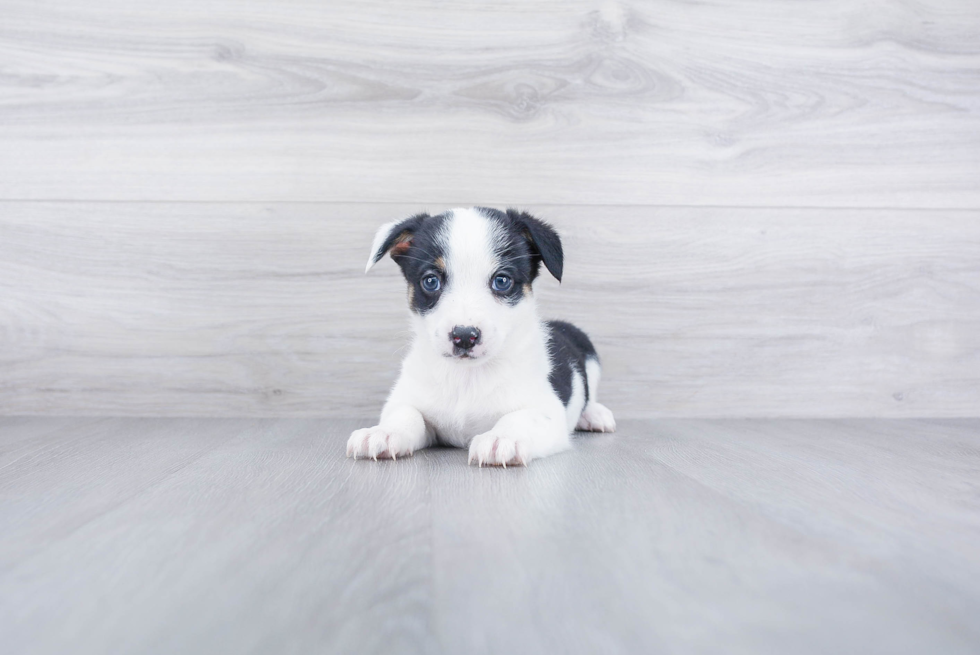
column 519, row 437
column 401, row 432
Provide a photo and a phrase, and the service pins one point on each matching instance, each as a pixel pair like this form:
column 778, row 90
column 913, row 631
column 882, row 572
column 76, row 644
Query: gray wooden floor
column 247, row 535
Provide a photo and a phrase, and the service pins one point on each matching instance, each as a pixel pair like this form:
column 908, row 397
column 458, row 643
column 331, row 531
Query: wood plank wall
column 770, row 208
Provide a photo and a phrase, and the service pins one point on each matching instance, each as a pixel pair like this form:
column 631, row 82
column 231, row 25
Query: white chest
column 460, row 402
column 459, row 412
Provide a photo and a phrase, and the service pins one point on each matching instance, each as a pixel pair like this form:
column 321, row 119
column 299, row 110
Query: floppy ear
column 395, row 236
column 544, row 241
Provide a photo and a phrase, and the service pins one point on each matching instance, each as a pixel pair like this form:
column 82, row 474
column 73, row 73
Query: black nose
column 465, row 336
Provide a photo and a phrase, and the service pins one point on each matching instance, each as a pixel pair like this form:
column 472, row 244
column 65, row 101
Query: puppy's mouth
column 459, row 353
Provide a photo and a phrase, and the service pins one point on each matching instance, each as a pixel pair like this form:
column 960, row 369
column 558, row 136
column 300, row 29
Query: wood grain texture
column 263, row 310
column 781, row 103
column 262, row 530
column 694, row 536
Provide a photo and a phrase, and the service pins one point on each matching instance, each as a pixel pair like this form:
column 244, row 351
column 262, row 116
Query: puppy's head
column 469, row 274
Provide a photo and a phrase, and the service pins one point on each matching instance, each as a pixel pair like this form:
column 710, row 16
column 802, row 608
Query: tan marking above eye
column 402, row 244
column 440, row 263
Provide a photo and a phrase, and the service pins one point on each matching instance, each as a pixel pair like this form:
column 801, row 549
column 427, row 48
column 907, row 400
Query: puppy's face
column 469, row 274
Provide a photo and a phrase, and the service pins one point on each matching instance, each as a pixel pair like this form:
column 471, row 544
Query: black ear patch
column 395, row 237
column 543, row 239
column 416, row 244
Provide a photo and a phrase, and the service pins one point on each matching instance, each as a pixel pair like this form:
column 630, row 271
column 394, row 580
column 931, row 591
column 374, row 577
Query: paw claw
column 498, row 450
column 596, row 418
column 377, row 443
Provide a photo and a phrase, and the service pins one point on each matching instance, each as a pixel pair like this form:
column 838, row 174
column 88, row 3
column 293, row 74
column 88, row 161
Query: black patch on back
column 569, row 348
column 423, row 256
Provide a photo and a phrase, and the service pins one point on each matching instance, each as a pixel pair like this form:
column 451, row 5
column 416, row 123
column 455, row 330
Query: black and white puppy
column 483, row 370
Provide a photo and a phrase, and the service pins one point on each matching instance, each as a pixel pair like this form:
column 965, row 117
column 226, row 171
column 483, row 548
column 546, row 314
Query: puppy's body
column 483, row 370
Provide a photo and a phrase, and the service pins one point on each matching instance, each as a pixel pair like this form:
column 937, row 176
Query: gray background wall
column 770, row 208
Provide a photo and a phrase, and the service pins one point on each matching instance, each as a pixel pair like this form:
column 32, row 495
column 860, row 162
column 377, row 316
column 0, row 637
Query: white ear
column 379, row 240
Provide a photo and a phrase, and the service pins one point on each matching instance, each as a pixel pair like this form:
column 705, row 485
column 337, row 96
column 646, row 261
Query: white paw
column 378, row 443
column 493, row 449
column 596, row 418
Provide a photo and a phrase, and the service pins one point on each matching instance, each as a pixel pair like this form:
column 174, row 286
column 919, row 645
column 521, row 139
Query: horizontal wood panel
column 263, row 309
column 708, row 103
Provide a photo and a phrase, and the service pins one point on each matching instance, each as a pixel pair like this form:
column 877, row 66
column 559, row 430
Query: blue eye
column 431, row 283
column 502, row 283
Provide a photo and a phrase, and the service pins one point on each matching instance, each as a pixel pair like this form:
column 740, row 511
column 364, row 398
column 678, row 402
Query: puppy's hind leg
column 595, row 417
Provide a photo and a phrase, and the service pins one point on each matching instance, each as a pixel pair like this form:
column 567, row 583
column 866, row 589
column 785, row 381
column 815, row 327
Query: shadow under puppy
column 483, row 370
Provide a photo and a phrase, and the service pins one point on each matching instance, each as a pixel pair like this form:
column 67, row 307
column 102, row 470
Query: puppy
column 483, row 370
